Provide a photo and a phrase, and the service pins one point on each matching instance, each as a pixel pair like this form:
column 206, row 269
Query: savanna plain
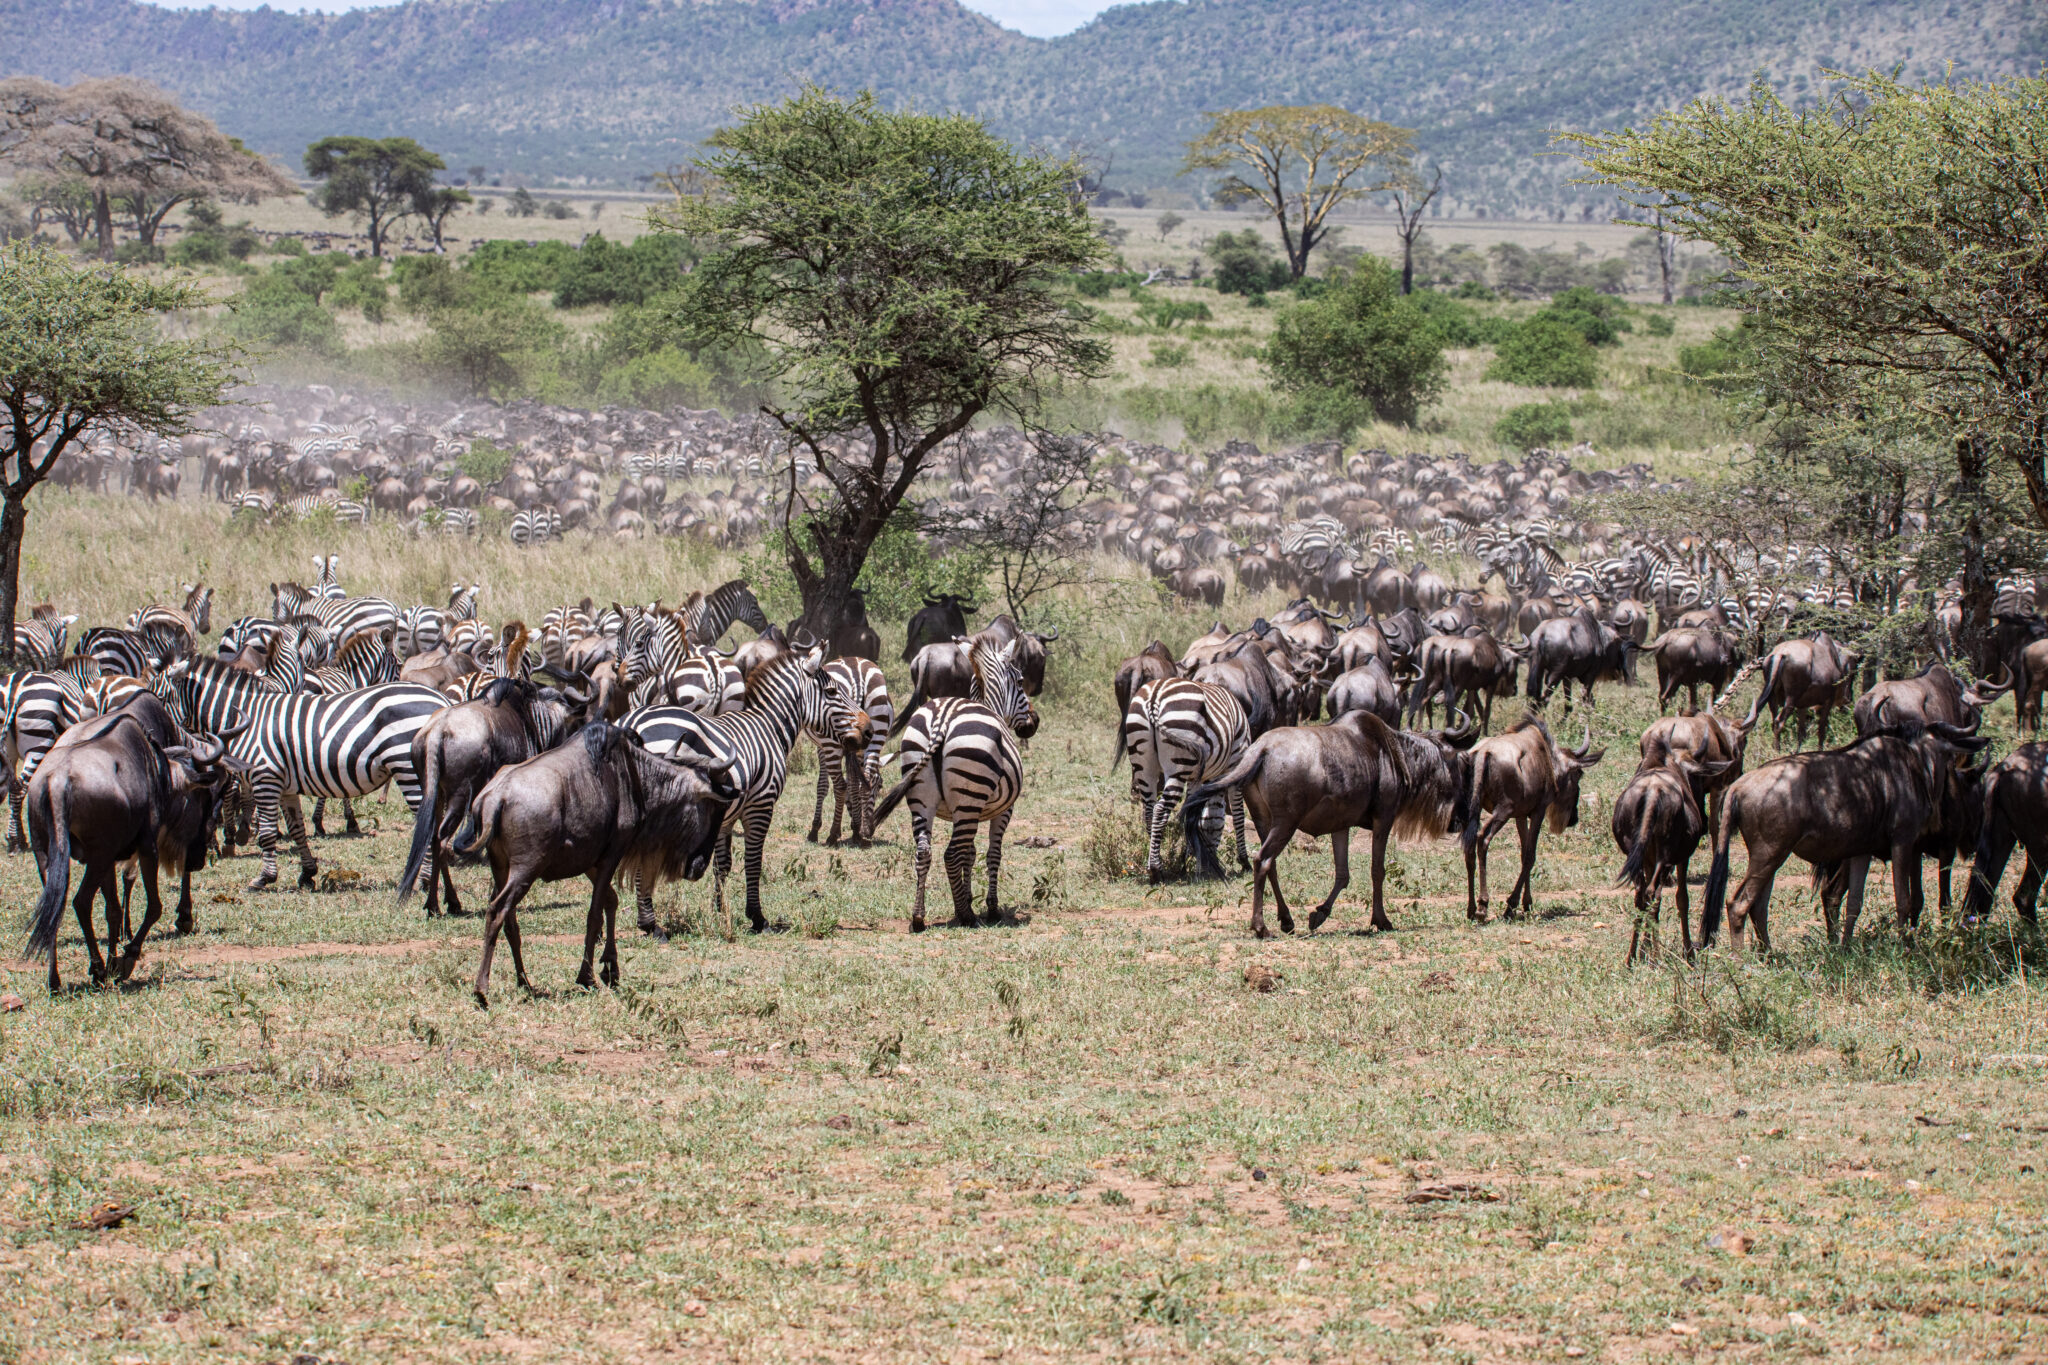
column 1086, row 1133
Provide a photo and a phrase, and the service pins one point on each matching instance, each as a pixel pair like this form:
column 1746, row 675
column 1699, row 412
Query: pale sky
column 1039, row 18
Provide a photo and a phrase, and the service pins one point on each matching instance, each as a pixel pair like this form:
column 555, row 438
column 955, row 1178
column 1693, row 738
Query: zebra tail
column 894, row 796
column 425, row 821
column 42, row 939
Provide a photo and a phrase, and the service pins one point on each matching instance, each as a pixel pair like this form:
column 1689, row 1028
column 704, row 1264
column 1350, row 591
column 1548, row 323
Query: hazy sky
column 1040, row 18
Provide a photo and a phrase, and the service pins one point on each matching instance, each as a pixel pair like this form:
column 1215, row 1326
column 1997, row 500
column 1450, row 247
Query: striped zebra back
column 39, row 643
column 118, row 651
column 346, row 616
column 1192, row 730
column 861, row 681
column 418, row 630
column 980, row 769
column 998, row 684
column 715, row 614
column 462, row 602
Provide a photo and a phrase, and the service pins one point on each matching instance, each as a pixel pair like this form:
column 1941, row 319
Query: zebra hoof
column 917, row 926
column 261, row 882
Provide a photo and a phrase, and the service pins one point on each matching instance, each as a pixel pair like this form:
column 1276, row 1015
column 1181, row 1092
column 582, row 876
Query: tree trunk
column 13, row 524
column 1407, row 263
column 1979, row 592
column 828, row 589
column 1667, row 248
column 103, row 223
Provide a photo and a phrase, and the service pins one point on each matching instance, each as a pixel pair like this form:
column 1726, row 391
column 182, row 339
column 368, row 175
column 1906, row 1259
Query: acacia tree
column 130, row 143
column 436, row 207
column 897, row 274
column 79, row 348
column 380, row 180
column 1888, row 245
column 1300, row 163
column 1411, row 196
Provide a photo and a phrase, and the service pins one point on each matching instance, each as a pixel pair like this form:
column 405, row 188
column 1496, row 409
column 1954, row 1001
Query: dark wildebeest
column 1330, row 779
column 1387, row 589
column 1030, row 649
column 1580, row 648
column 940, row 619
column 1933, row 696
column 1658, row 825
column 2015, row 811
column 1877, row 797
column 109, row 791
column 1801, row 676
column 1404, row 632
column 1475, row 668
column 1220, row 643
column 597, row 806
column 1359, row 642
column 1248, row 676
column 939, row 670
column 1706, row 740
column 460, row 749
column 1431, row 591
column 1631, row 618
column 1691, row 656
column 1524, row 776
column 1197, row 585
column 1151, row 664
column 1368, row 687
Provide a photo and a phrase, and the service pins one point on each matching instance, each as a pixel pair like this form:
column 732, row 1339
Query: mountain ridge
column 612, row 88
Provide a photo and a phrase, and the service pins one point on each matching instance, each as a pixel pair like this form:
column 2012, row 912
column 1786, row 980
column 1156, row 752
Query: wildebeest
column 1248, row 676
column 1030, row 649
column 1691, row 656
column 1932, row 696
column 1368, row 687
column 1153, row 662
column 940, row 619
column 107, row 791
column 462, row 748
column 595, row 807
column 1197, row 585
column 1658, row 825
column 1712, row 742
column 1801, row 676
column 1879, row 796
column 1328, row 779
column 1524, row 776
column 1580, row 648
column 1475, row 667
column 2014, row 811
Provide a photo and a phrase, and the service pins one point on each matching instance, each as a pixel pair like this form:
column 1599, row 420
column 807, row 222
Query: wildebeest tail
column 1631, row 873
column 1244, row 770
column 1717, row 874
column 1772, row 666
column 1116, row 755
column 483, row 822
column 56, row 823
column 917, row 699
column 1994, row 846
column 425, row 820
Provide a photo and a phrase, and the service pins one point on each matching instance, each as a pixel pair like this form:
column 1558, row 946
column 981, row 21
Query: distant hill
column 607, row 89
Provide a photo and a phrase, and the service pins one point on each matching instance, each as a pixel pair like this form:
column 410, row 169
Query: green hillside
column 610, row 89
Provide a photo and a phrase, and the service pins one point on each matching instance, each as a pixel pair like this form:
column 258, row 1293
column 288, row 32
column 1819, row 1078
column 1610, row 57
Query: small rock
column 1684, row 1329
column 11, row 1002
column 1439, row 981
column 1796, row 1319
column 693, row 1309
column 840, row 1121
column 1041, row 841
column 1303, row 1266
column 1729, row 1240
column 1574, row 1352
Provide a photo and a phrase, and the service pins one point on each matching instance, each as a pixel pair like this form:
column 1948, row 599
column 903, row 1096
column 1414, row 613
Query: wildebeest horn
column 710, row 767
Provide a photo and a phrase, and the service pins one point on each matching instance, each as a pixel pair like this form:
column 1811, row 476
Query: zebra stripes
column 39, row 642
column 1181, row 734
column 789, row 695
column 961, row 763
column 861, row 680
column 300, row 744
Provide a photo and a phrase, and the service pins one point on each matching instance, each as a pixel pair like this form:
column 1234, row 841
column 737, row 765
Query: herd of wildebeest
column 614, row 740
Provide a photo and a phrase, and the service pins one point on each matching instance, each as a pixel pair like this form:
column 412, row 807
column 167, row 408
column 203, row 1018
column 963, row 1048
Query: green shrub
column 1166, row 314
column 602, row 273
column 522, row 267
column 1546, row 353
column 1167, row 356
column 1599, row 318
column 1659, row 325
column 900, row 573
column 1475, row 291
column 136, row 253
column 360, row 285
column 1529, row 425
column 1246, row 264
column 486, row 462
column 1362, row 345
column 281, row 308
column 1722, row 361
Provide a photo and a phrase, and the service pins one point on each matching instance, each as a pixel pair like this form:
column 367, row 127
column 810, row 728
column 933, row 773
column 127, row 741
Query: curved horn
column 710, row 767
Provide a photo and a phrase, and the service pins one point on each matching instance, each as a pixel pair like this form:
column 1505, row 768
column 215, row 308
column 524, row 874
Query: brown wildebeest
column 598, row 805
column 1706, row 740
column 2015, row 811
column 1197, row 585
column 1248, row 676
column 1476, row 668
column 1368, row 687
column 1658, row 826
column 1580, row 648
column 1387, row 589
column 108, row 791
column 1030, row 644
column 1877, row 797
column 1691, row 655
column 1150, row 664
column 1699, row 618
column 1360, row 642
column 1220, row 643
column 1306, row 627
column 1801, row 676
column 1329, row 779
column 1933, row 696
column 1524, row 776
column 1431, row 591
column 1631, row 618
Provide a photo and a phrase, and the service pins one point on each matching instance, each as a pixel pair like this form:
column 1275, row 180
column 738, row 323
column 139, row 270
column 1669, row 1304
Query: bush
column 1246, row 264
column 604, row 274
column 558, row 210
column 1474, row 290
column 486, row 462
column 1363, row 345
column 1530, row 425
column 361, row 286
column 135, row 253
column 1167, row 314
column 1545, row 353
column 522, row 267
column 1599, row 318
column 1659, row 325
column 1167, row 356
column 1722, row 361
column 281, row 309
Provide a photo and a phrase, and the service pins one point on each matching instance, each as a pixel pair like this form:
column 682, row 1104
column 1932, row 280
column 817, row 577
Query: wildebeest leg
column 921, row 833
column 1852, row 879
column 960, row 871
column 643, row 901
column 81, row 904
column 1827, row 711
column 1908, row 893
column 1944, row 864
column 2030, row 883
column 1267, row 864
column 1753, row 895
column 295, row 821
column 1831, row 880
column 1380, row 834
column 996, row 826
column 1529, row 828
column 502, row 916
column 152, row 911
column 1340, row 864
column 1799, row 729
column 756, row 822
column 1682, row 896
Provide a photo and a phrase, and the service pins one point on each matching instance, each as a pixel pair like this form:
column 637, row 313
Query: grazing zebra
column 861, row 680
column 1181, row 734
column 418, row 630
column 961, row 763
column 39, row 641
column 790, row 695
column 301, row 744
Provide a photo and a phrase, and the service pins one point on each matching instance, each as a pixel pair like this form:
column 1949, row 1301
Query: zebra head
column 830, row 714
column 999, row 685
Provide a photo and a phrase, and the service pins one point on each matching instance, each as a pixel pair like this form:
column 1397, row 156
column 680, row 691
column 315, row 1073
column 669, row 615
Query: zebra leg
column 841, row 775
column 265, row 799
column 721, row 868
column 871, row 778
column 757, row 822
column 17, row 788
column 1234, row 800
column 921, row 830
column 818, row 812
column 295, row 821
column 960, row 871
column 348, row 812
column 320, row 817
column 996, row 825
column 643, row 901
column 1161, row 811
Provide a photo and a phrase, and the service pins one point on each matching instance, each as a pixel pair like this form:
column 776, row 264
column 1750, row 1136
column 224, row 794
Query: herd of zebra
column 332, row 696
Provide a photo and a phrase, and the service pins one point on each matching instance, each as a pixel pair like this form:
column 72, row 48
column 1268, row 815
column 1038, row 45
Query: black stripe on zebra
column 862, row 680
column 789, row 695
column 300, row 744
column 38, row 708
column 1181, row 734
column 712, row 616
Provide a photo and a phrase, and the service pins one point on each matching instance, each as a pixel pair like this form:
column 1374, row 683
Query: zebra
column 38, row 707
column 961, row 763
column 1181, row 734
column 861, row 680
column 342, row 616
column 170, row 634
column 418, row 630
column 118, row 651
column 705, row 681
column 791, row 694
column 302, row 744
column 709, row 617
column 462, row 601
column 39, row 641
column 535, row 526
